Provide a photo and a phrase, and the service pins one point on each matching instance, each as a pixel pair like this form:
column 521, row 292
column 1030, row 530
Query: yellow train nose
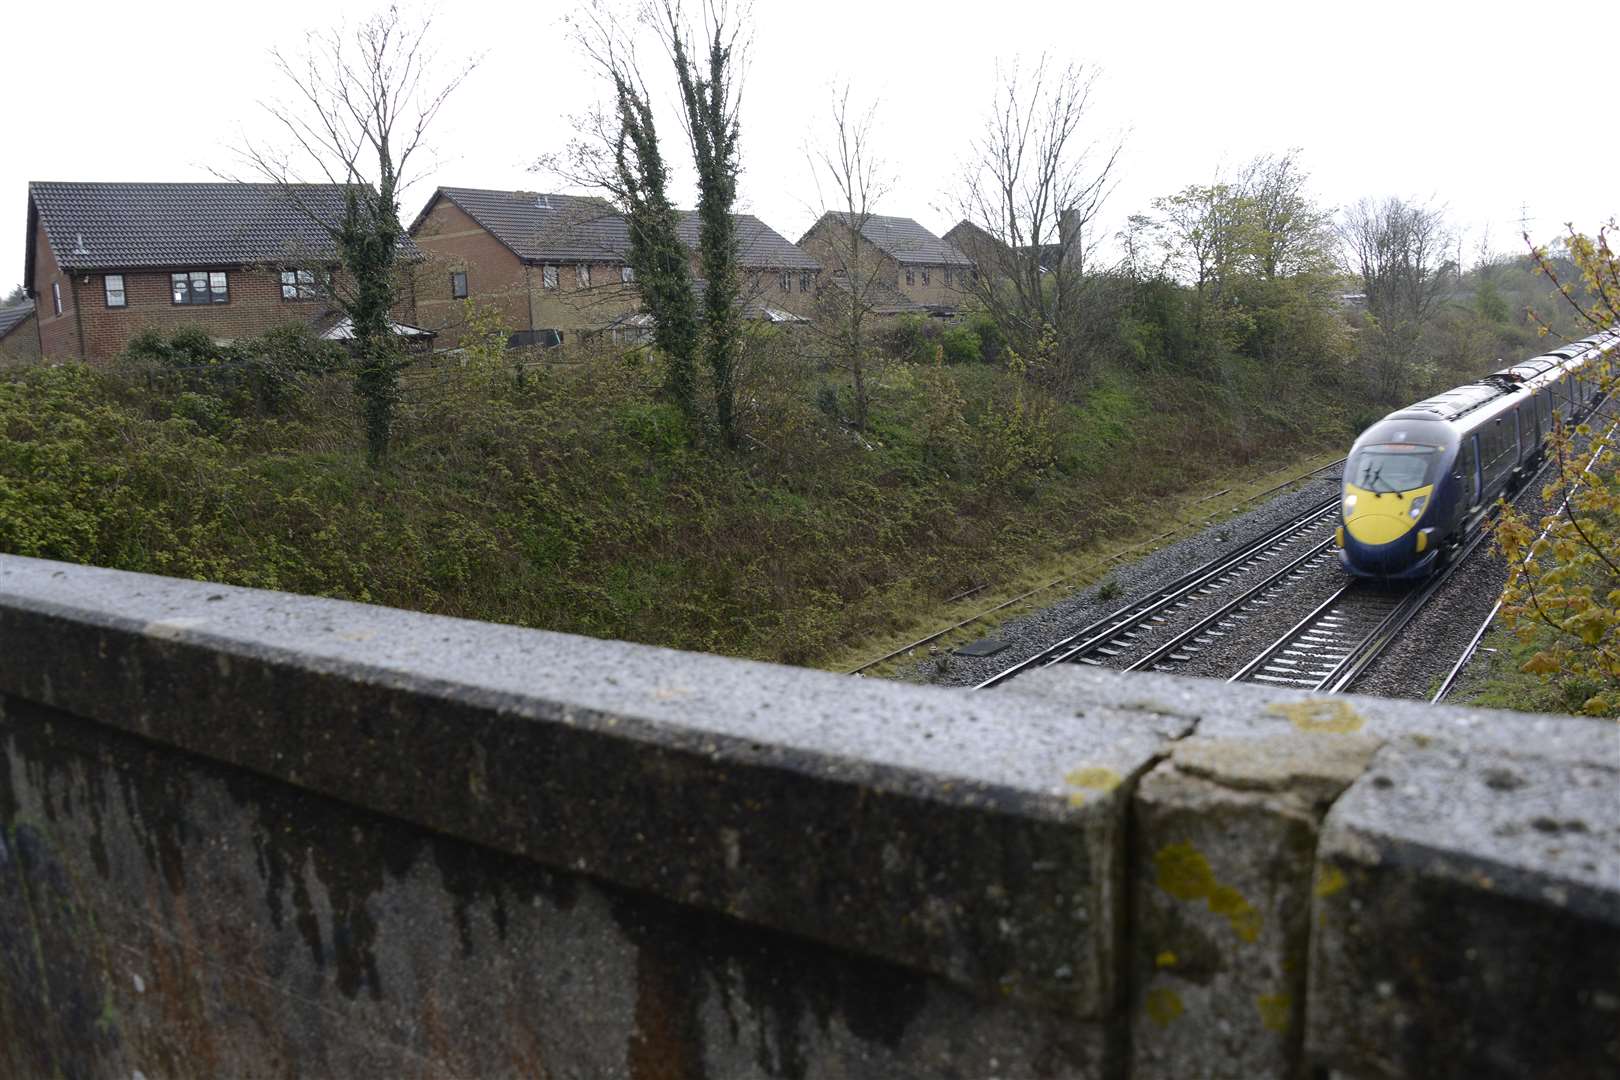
column 1375, row 518
column 1370, row 528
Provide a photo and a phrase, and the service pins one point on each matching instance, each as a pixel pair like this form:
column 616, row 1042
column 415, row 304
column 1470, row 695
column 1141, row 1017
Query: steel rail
column 1374, row 644
column 1137, row 612
column 1186, row 637
column 1281, row 643
column 1081, row 574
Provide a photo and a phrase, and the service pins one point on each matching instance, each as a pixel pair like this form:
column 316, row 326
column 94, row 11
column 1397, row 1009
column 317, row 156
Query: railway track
column 1080, row 577
column 1329, row 649
column 1127, row 627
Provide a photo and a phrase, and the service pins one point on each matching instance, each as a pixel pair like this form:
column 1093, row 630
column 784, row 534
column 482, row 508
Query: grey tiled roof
column 546, row 228
column 906, row 240
column 760, row 247
column 118, row 226
column 12, row 317
column 540, row 227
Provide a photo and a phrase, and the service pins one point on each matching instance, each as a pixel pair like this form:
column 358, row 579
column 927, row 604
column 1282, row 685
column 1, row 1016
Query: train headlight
column 1417, row 507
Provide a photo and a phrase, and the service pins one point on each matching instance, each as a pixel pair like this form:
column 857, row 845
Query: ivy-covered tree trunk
column 368, row 245
column 711, row 114
column 656, row 254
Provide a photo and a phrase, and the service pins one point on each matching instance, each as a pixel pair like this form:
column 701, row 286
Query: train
column 1422, row 479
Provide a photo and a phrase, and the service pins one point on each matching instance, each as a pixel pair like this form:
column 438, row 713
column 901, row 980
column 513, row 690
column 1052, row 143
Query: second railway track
column 1130, row 626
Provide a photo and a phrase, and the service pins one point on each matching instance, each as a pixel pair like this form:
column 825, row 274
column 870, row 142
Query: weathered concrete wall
column 244, row 833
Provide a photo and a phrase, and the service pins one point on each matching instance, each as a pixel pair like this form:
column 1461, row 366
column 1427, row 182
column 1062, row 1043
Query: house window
column 458, row 284
column 627, row 274
column 548, row 277
column 56, row 296
column 200, row 287
column 804, row 281
column 911, row 276
column 300, row 285
column 582, row 273
column 925, row 275
column 115, row 290
column 947, row 275
column 786, row 280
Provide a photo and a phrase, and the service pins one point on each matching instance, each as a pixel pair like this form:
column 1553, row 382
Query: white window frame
column 548, row 277
column 110, row 291
column 56, row 296
column 627, row 275
column 582, row 275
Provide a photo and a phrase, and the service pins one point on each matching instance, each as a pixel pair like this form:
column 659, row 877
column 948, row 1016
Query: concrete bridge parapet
column 248, row 833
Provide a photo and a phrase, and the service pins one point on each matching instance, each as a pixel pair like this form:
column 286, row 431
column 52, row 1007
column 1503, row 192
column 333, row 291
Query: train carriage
column 1423, row 477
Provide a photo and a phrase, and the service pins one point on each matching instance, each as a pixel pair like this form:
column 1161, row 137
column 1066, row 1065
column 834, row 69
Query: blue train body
column 1423, row 477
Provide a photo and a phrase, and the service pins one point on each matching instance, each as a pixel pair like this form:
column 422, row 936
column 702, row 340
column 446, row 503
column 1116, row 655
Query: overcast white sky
column 1473, row 104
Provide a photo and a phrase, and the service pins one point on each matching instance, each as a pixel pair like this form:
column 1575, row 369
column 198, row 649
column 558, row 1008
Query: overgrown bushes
column 259, row 376
column 578, row 502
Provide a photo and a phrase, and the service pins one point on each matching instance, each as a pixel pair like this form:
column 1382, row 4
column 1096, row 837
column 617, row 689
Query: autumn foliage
column 1563, row 593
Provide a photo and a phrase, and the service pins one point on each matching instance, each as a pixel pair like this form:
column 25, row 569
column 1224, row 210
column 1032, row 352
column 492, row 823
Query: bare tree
column 855, row 182
column 1036, row 185
column 1400, row 250
column 361, row 102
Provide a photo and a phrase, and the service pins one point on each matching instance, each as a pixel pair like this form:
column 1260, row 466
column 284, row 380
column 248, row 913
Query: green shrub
column 992, row 343
column 960, row 345
column 208, row 412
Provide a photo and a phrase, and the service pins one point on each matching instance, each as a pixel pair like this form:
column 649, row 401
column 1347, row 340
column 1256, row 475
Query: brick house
column 555, row 266
column 107, row 260
column 19, row 335
column 910, row 260
column 778, row 279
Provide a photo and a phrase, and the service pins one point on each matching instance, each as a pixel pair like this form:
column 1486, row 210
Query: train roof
column 1459, row 401
column 1453, row 403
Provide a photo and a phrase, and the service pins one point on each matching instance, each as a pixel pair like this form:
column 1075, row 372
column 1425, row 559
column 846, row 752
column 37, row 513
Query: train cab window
column 1467, row 472
column 1392, row 467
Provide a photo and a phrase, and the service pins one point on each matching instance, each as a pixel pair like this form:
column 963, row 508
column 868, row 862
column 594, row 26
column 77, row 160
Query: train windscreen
column 1393, row 467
